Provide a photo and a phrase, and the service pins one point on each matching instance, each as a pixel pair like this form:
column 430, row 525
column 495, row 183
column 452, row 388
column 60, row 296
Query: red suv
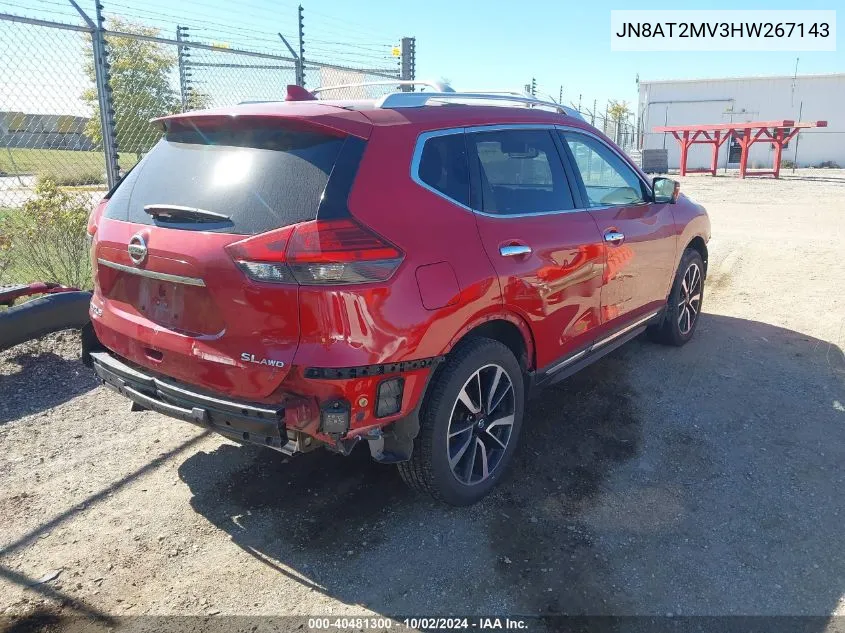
column 401, row 271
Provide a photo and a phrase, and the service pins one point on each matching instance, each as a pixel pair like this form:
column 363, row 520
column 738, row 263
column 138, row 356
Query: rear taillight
column 316, row 253
column 94, row 220
column 95, row 215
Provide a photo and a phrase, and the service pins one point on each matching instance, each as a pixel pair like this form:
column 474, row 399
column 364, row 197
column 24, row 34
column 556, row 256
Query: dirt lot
column 703, row 480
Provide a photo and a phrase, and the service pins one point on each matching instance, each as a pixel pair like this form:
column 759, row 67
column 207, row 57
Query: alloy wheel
column 480, row 425
column 690, row 300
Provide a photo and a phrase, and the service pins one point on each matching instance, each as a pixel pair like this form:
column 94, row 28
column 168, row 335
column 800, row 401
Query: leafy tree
column 619, row 111
column 141, row 89
column 197, row 99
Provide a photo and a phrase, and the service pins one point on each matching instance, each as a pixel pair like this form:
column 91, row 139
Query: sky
column 502, row 44
column 491, row 44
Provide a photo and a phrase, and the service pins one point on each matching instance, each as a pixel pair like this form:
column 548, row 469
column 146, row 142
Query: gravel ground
column 706, row 480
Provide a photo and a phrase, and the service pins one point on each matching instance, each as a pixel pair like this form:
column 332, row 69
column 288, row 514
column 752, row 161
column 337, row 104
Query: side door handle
column 514, row 250
column 614, row 237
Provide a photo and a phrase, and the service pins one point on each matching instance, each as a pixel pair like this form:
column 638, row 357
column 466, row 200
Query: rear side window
column 443, row 166
column 520, row 172
column 260, row 178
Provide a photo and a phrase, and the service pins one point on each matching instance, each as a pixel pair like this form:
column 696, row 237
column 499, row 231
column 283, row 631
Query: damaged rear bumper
column 238, row 421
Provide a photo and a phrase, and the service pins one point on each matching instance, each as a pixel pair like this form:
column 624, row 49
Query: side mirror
column 666, row 190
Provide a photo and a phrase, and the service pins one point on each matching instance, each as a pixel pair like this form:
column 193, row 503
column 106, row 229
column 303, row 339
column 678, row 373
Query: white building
column 730, row 100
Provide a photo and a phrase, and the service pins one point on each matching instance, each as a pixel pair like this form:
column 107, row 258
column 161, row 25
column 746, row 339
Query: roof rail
column 419, row 99
column 438, row 86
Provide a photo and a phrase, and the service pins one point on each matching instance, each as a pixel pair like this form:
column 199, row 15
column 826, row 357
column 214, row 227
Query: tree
column 619, row 111
column 140, row 76
column 197, row 99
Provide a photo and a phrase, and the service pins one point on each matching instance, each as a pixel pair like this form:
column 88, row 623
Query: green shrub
column 829, row 164
column 72, row 177
column 786, row 164
column 47, row 236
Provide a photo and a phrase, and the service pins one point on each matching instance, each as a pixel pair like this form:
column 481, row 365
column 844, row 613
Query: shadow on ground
column 838, row 180
column 40, row 381
column 702, row 480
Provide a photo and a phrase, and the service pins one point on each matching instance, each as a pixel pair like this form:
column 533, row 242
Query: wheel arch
column 509, row 329
column 698, row 244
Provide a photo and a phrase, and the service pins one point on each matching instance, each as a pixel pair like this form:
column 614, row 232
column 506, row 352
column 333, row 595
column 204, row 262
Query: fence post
column 408, row 62
column 301, row 47
column 297, row 64
column 104, row 92
column 104, row 95
column 182, row 55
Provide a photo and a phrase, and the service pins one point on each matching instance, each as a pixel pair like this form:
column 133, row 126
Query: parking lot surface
column 706, row 480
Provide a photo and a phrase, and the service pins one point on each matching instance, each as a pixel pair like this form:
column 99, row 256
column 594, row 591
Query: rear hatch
column 173, row 243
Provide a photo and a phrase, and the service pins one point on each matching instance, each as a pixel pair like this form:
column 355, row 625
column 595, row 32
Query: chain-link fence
column 57, row 78
column 45, row 112
column 76, row 99
column 78, row 90
column 613, row 118
column 621, row 130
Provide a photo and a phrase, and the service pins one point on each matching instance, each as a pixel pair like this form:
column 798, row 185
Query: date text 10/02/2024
column 419, row 623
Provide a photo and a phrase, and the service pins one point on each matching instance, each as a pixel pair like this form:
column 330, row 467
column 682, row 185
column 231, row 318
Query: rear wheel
column 685, row 301
column 469, row 424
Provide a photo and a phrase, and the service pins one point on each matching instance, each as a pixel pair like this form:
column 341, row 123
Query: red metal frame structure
column 777, row 132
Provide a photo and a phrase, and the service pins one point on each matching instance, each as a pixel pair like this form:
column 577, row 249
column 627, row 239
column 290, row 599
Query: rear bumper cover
column 238, row 421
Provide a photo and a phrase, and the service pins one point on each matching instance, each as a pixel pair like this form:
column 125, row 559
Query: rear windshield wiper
column 176, row 213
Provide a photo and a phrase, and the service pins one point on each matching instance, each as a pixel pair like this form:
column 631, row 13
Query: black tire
column 429, row 469
column 670, row 331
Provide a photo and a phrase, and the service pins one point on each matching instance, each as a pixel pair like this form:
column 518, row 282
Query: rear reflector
column 316, row 253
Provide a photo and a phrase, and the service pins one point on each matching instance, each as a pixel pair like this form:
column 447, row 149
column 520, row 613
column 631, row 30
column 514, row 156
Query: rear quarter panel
column 360, row 325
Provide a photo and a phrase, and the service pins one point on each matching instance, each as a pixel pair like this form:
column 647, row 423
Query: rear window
column 261, row 178
column 443, row 166
column 520, row 172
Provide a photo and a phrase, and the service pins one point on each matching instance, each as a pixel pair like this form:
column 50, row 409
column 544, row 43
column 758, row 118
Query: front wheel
column 684, row 305
column 469, row 424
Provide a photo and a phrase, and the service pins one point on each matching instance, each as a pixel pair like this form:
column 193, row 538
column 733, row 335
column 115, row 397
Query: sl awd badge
column 250, row 358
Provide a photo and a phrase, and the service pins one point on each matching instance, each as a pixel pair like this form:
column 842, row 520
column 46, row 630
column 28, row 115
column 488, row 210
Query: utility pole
column 560, row 95
column 301, row 47
column 408, row 61
column 182, row 55
column 797, row 137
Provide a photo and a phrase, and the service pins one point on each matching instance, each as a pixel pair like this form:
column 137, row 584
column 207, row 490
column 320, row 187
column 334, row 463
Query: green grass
column 64, row 167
